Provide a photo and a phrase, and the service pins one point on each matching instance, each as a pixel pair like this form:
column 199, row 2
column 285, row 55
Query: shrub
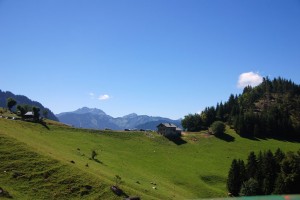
column 249, row 188
column 218, row 127
column 94, row 154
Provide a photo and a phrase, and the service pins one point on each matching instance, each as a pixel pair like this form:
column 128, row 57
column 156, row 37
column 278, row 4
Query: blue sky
column 156, row 57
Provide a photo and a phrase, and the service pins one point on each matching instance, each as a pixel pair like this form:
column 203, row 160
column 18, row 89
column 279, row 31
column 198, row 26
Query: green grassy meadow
column 196, row 169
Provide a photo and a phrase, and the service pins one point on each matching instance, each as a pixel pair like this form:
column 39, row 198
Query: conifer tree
column 269, row 171
column 242, row 169
column 261, row 176
column 36, row 113
column 259, row 173
column 234, row 180
column 279, row 156
column 251, row 167
column 288, row 180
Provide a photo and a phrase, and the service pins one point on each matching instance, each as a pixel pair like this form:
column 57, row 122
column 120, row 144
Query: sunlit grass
column 195, row 169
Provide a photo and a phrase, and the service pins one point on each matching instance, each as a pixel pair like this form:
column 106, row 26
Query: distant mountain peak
column 97, row 119
column 85, row 110
column 132, row 115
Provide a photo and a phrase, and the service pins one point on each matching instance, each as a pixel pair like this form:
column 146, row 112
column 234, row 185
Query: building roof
column 168, row 125
column 29, row 114
column 178, row 129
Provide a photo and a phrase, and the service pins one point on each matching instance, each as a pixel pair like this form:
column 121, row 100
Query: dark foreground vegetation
column 265, row 174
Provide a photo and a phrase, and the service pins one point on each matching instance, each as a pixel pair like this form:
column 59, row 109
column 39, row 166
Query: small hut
column 169, row 130
column 29, row 116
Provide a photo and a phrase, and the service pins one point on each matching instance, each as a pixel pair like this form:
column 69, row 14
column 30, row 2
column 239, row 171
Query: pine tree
column 288, row 180
column 256, row 130
column 279, row 156
column 269, row 171
column 251, row 167
column 220, row 112
column 259, row 173
column 242, row 169
column 235, row 179
column 36, row 113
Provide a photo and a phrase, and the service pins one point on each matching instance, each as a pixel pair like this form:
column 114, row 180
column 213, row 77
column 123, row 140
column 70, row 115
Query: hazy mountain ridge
column 23, row 100
column 97, row 119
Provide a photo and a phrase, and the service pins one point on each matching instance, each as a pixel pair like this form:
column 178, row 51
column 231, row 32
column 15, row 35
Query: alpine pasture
column 54, row 161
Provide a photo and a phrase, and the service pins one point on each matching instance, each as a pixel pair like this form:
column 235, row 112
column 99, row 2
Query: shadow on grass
column 118, row 191
column 225, row 137
column 288, row 138
column 98, row 161
column 177, row 140
column 252, row 138
column 5, row 194
column 44, row 124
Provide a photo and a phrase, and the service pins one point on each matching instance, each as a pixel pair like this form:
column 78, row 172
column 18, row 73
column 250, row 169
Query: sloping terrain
column 25, row 174
column 54, row 161
column 23, row 100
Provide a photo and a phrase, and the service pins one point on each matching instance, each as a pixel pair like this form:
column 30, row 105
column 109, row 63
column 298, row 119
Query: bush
column 249, row 188
column 94, row 154
column 218, row 127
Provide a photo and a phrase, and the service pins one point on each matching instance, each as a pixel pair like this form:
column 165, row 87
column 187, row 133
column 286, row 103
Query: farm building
column 29, row 116
column 169, row 130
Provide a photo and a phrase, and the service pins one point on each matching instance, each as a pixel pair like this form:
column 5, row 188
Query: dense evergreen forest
column 271, row 109
column 265, row 174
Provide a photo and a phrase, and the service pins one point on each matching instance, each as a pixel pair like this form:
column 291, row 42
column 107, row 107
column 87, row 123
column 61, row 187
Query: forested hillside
column 270, row 109
column 25, row 101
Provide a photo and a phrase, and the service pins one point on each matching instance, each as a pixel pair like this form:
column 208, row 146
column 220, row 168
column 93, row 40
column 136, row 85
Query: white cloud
column 249, row 78
column 104, row 97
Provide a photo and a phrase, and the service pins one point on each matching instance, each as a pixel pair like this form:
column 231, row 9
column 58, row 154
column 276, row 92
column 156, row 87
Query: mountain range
column 97, row 119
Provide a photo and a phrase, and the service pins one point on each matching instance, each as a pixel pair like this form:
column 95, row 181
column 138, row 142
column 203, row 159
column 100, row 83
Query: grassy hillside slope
column 28, row 175
column 195, row 169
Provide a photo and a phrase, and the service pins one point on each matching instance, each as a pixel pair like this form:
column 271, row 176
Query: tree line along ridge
column 271, row 109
